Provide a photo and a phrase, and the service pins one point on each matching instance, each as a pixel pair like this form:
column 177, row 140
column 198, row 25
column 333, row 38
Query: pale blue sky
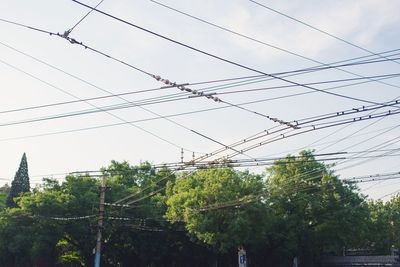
column 372, row 25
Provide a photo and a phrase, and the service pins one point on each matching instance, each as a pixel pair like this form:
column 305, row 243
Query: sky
column 251, row 38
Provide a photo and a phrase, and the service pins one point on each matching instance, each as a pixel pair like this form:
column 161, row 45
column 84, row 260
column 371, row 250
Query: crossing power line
column 217, row 57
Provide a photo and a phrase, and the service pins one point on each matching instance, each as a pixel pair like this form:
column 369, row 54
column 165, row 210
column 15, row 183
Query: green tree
column 4, row 191
column 300, row 208
column 380, row 235
column 31, row 235
column 315, row 212
column 20, row 184
column 222, row 208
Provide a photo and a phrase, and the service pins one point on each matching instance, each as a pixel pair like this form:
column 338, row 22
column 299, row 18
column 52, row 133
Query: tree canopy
column 156, row 217
column 20, row 184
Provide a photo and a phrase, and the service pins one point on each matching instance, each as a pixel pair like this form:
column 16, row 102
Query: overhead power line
column 216, row 99
column 373, row 177
column 306, row 129
column 306, row 179
column 168, row 176
column 390, row 194
column 166, row 87
column 393, row 141
column 259, row 41
column 73, row 41
column 251, row 147
column 317, row 29
column 220, row 163
column 394, row 75
column 295, row 124
column 26, row 26
column 96, row 107
column 279, row 134
column 216, row 56
column 152, row 101
column 75, row 218
column 156, row 118
column 342, row 63
column 201, row 20
column 85, row 16
column 158, row 78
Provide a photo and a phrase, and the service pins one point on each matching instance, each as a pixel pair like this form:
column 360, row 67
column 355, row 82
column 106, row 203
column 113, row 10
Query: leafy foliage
column 299, row 208
column 220, row 207
column 20, row 184
column 316, row 210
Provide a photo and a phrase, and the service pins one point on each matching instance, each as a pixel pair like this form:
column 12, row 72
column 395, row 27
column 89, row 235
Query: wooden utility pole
column 100, row 222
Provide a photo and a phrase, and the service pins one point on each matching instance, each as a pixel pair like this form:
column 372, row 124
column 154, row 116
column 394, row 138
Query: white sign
column 242, row 257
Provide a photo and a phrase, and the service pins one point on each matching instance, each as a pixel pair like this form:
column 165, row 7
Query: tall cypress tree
column 20, row 184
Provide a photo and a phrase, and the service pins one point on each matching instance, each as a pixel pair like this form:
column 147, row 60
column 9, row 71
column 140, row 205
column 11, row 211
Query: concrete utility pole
column 100, row 222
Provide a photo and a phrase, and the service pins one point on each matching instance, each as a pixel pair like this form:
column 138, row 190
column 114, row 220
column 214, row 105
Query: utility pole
column 100, row 222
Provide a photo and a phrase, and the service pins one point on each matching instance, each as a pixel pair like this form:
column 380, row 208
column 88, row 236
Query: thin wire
column 297, row 150
column 373, row 178
column 111, row 107
column 154, row 192
column 166, row 87
column 26, row 26
column 258, row 41
column 296, row 190
column 104, row 109
column 216, row 99
column 309, row 129
column 76, row 218
column 130, row 196
column 261, row 78
column 269, row 131
column 99, row 108
column 355, row 132
column 317, row 29
column 87, row 14
column 381, row 185
column 78, row 101
column 277, row 160
column 381, row 145
column 73, row 41
column 394, row 192
column 156, row 118
column 393, row 75
column 218, row 57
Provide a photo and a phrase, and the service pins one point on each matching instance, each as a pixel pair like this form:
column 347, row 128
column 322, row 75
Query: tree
column 315, row 211
column 55, row 236
column 300, row 208
column 4, row 191
column 220, row 207
column 20, row 184
column 380, row 235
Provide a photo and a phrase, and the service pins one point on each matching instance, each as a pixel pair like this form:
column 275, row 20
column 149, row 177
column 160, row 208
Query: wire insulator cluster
column 182, row 87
